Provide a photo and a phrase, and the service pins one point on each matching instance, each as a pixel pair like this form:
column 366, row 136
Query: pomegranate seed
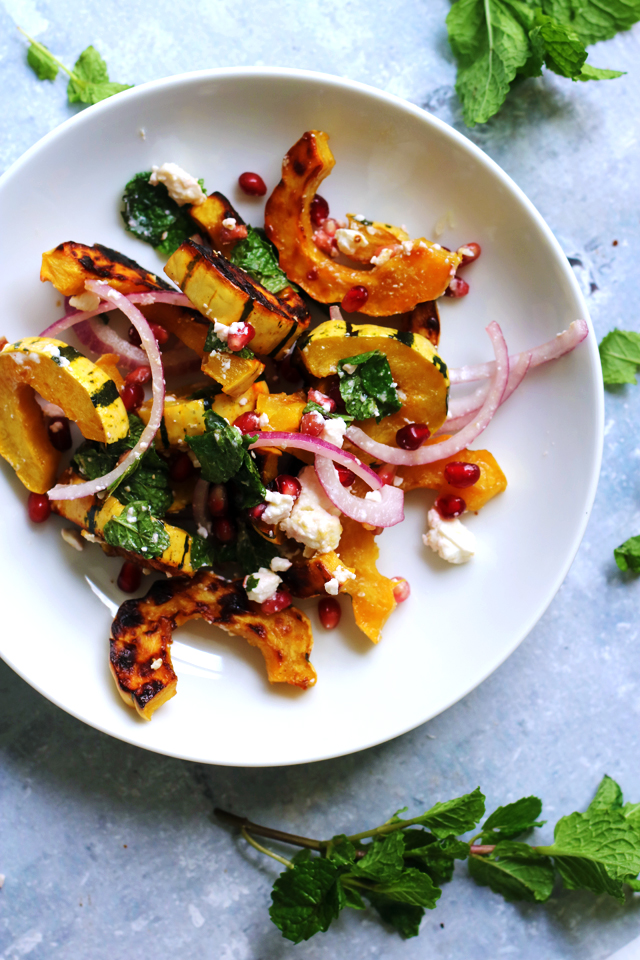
column 345, row 476
column 312, row 424
column 469, row 252
column 38, row 507
column 182, row 468
column 279, row 601
column 401, row 589
column 457, row 288
column 412, row 436
column 252, row 184
column 387, row 472
column 159, row 333
column 288, row 485
column 315, row 396
column 130, row 577
column 329, row 611
column 237, row 341
column 224, row 530
column 218, row 500
column 331, row 226
column 256, row 512
column 319, row 210
column 460, row 474
column 140, row 375
column 450, row 506
column 132, row 396
column 133, row 336
column 247, row 423
column 354, row 299
column 60, row 434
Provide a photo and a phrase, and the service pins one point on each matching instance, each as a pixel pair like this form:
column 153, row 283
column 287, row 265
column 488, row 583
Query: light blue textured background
column 110, row 852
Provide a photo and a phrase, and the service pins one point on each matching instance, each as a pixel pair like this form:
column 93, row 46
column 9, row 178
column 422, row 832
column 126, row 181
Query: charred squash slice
column 70, row 264
column 421, row 376
column 208, row 218
column 62, row 376
column 141, row 636
column 227, row 294
column 307, row 578
column 418, row 271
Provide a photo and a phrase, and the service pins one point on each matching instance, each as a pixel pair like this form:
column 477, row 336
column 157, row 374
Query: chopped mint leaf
column 510, row 821
column 214, row 344
column 593, row 20
column 259, row 257
column 369, row 390
column 137, row 531
column 153, row 216
column 342, row 852
column 412, row 887
column 306, row 899
column 404, row 917
column 220, row 449
column 515, row 871
column 313, row 407
column 252, row 583
column 620, row 356
column 249, row 551
column 608, row 796
column 627, row 555
column 42, row 62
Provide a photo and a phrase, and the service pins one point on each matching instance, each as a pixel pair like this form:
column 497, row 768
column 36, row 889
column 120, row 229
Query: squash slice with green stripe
column 62, row 376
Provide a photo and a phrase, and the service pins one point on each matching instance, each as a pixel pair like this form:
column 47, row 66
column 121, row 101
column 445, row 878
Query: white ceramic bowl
column 396, row 163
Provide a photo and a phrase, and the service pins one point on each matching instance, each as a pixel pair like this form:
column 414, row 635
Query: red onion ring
column 144, row 299
column 440, row 451
column 561, row 344
column 321, row 448
column 99, row 338
column 73, row 491
column 199, row 503
column 385, row 512
column 461, row 416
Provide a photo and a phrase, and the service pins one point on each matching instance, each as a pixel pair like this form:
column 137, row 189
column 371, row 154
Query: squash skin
column 396, row 286
column 142, row 632
column 62, row 376
column 70, row 264
column 417, row 369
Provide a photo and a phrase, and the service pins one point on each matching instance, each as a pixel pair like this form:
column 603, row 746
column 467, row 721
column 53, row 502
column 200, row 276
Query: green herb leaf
column 594, row 20
column 137, row 531
column 42, row 61
column 342, row 852
column 259, row 257
column 220, row 450
column 608, row 797
column 383, row 860
column 510, row 821
column 404, row 917
column 564, row 51
column 313, row 407
column 306, row 899
column 214, row 344
column 252, row 550
column 620, row 356
column 368, row 391
column 627, row 555
column 515, row 871
column 435, row 857
column 252, row 583
column 411, row 887
column 455, row 816
column 151, row 214
column 597, row 73
column 149, row 482
column 89, row 81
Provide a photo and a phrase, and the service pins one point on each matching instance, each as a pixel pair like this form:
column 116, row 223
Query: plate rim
column 467, row 145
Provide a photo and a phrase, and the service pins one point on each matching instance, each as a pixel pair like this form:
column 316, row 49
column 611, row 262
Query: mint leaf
column 306, row 899
column 404, row 917
column 620, row 356
column 594, row 20
column 597, row 73
column 137, row 531
column 149, row 482
column 251, row 583
column 342, row 852
column 89, row 81
column 220, row 449
column 510, row 821
column 259, row 257
column 564, row 50
column 249, row 489
column 433, row 856
column 490, row 42
column 608, row 796
column 368, row 390
column 627, row 555
column 42, row 61
column 313, row 407
column 249, row 551
column 151, row 214
column 213, row 343
column 383, row 860
column 411, row 887
column 454, row 816
column 514, row 870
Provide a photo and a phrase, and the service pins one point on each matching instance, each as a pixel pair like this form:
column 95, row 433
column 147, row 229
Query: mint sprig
column 404, row 864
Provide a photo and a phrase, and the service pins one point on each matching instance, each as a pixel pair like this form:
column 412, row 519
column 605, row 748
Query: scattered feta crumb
column 407, row 246
column 397, row 481
column 263, row 420
column 229, row 223
column 202, row 531
column 182, row 187
column 341, row 574
column 349, row 241
column 90, row 537
column 334, row 430
column 280, row 506
column 349, row 368
column 72, row 537
column 243, row 401
column 450, row 539
column 374, row 495
column 279, row 564
column 382, row 257
column 85, row 301
column 314, row 519
column 142, row 133
column 332, row 587
column 156, row 664
column 268, row 583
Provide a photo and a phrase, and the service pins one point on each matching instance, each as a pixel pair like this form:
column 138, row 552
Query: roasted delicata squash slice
column 283, row 410
column 431, row 476
column 208, row 217
column 141, row 636
column 227, row 294
column 62, row 376
column 421, row 376
column 371, row 592
column 70, row 264
column 307, row 578
column 416, row 271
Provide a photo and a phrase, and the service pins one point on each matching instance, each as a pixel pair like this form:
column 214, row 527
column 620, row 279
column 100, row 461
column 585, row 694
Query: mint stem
column 261, row 849
column 480, row 848
column 244, row 823
column 45, row 50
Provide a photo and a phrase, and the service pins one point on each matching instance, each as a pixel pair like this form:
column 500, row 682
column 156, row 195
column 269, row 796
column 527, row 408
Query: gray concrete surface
column 111, row 852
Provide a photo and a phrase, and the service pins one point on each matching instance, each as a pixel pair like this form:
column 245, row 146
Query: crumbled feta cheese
column 314, row 519
column 349, row 241
column 280, row 506
column 382, row 257
column 268, row 583
column 91, row 537
column 243, row 401
column 263, row 420
column 407, row 246
column 374, row 495
column 334, row 430
column 156, row 664
column 332, row 587
column 342, row 574
column 450, row 539
column 279, row 564
column 182, row 187
column 229, row 223
column 202, row 531
column 360, row 217
column 397, row 481
column 349, row 368
column 85, row 301
column 72, row 537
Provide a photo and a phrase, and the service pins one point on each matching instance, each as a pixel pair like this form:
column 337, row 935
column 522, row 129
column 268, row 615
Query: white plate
column 395, row 163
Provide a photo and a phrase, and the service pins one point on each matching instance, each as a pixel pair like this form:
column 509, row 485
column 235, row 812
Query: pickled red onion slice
column 385, row 511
